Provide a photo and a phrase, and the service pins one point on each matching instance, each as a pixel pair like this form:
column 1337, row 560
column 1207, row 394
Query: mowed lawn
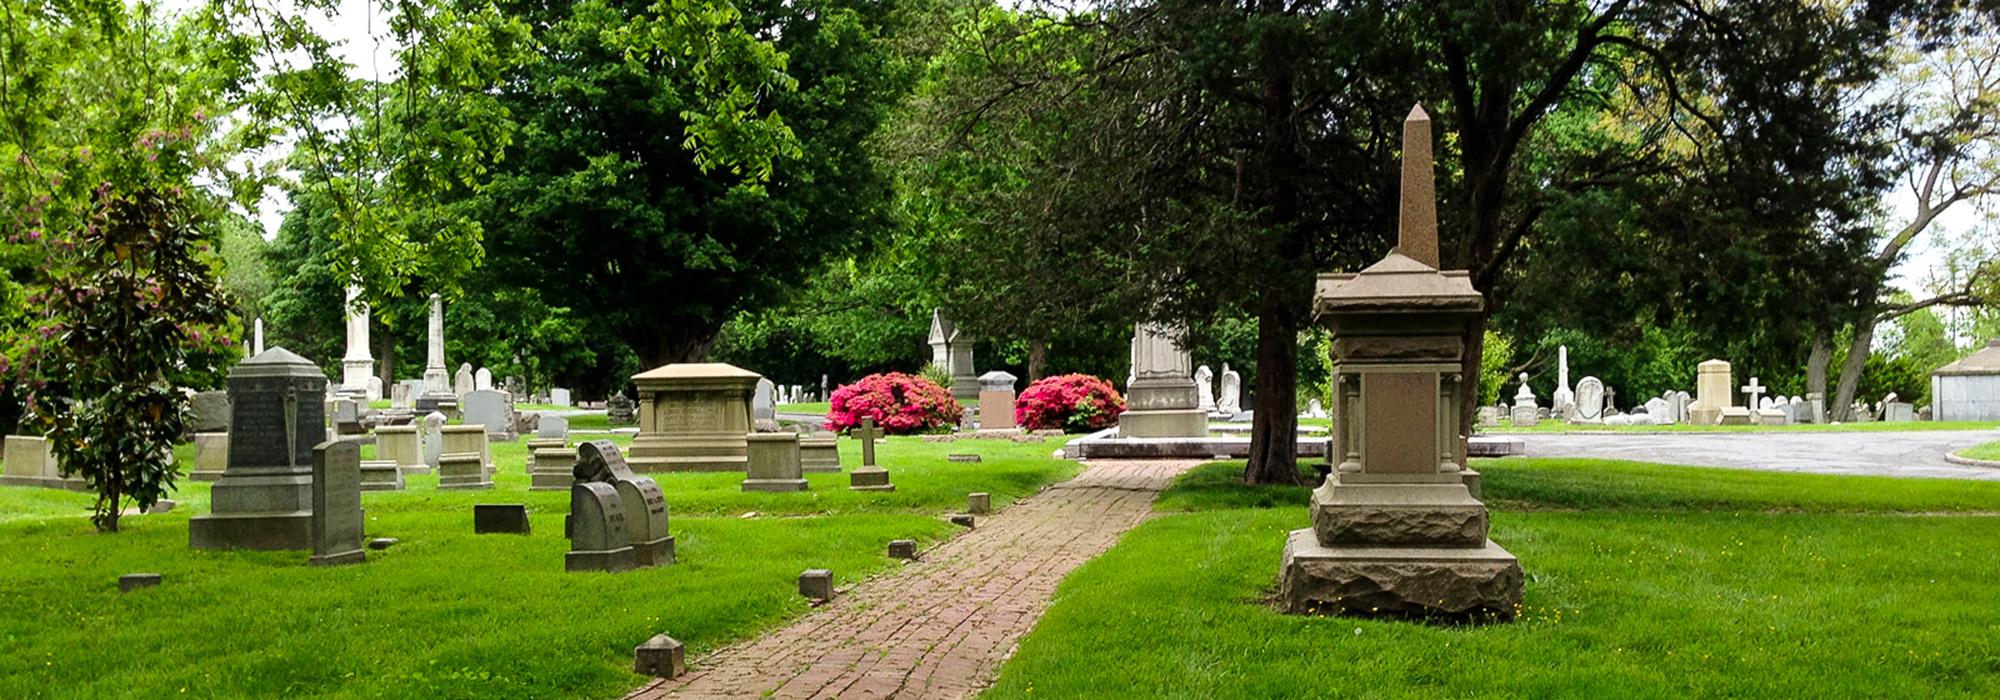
column 1642, row 581
column 446, row 613
column 1989, row 452
column 1557, row 426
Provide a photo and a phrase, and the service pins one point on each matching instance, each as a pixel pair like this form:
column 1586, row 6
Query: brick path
column 941, row 626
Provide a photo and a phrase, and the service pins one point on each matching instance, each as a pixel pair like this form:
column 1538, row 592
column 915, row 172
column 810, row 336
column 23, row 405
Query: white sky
column 369, row 51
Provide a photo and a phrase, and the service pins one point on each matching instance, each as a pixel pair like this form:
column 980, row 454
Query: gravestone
column 482, row 379
column 1160, row 400
column 437, row 389
column 1315, row 409
column 816, row 584
column 500, row 519
column 462, row 382
column 462, row 471
column 1395, row 529
column 30, row 461
column 819, row 453
column 1525, row 414
column 1815, row 407
column 1489, row 416
column 1713, row 388
column 403, row 445
column 552, row 427
column 693, row 417
column 357, row 366
column 551, row 467
column 1562, row 403
column 774, row 463
column 347, row 417
column 1204, row 390
column 559, row 397
column 211, row 456
column 659, row 657
column 1589, row 398
column 1798, row 410
column 1898, row 412
column 979, row 503
column 466, row 439
column 1231, row 402
column 597, row 531
column 264, row 498
column 433, row 437
column 903, row 549
column 492, row 409
column 951, row 349
column 763, row 406
column 868, row 476
column 619, row 410
column 1657, row 410
column 640, row 499
column 996, row 400
column 381, row 475
column 209, row 412
column 336, row 504
column 132, row 582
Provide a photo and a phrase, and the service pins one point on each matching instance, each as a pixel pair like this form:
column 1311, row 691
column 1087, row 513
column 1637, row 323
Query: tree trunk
column 1038, row 359
column 1851, row 369
column 385, row 354
column 1818, row 361
column 1274, row 424
column 1469, row 377
column 663, row 345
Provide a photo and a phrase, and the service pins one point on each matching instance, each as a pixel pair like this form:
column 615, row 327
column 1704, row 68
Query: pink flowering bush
column 901, row 404
column 1072, row 402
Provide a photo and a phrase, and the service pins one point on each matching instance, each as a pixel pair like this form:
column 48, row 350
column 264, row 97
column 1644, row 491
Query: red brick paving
column 941, row 626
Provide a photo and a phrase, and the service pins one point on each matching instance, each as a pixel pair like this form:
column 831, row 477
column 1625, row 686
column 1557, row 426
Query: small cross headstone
column 867, row 434
column 1752, row 391
column 868, row 477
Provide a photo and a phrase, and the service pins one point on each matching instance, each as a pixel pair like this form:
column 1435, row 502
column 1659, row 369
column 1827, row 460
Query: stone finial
column 1417, row 228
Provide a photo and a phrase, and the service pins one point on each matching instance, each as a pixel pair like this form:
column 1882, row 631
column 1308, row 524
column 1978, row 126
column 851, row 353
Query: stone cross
column 867, row 434
column 1752, row 391
column 1417, row 229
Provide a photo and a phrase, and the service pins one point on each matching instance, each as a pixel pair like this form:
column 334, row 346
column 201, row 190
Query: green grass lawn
column 1643, row 581
column 1556, row 426
column 445, row 613
column 1989, row 451
column 817, row 408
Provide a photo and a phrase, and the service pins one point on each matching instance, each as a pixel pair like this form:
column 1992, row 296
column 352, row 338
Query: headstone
column 402, row 445
column 1797, row 410
column 433, row 437
column 619, row 410
column 1524, row 414
column 381, row 475
column 1657, row 410
column 462, row 381
column 962, row 519
column 1204, row 389
column 1563, row 401
column 963, row 458
column 500, row 519
column 1395, row 528
column 979, row 503
column 462, row 471
column 1751, row 394
column 1315, row 409
column 482, row 380
column 774, row 463
column 693, row 417
column 552, row 427
column 550, row 468
column 437, row 387
column 211, row 456
column 868, row 476
column 640, row 499
column 257, row 336
column 1675, row 411
column 1816, row 407
column 1589, row 398
column 1489, row 416
column 819, row 453
column 952, row 350
column 347, row 417
column 996, row 400
column 903, row 549
column 1898, row 412
column 559, row 397
column 210, row 412
column 467, row 439
column 492, row 409
column 132, row 582
column 816, row 584
column 1231, row 402
column 336, row 504
column 264, row 498
column 1713, row 389
column 597, row 531
column 1160, row 399
column 659, row 657
column 763, row 406
column 357, row 365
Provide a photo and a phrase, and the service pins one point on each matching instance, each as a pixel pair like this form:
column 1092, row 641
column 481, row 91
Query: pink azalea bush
column 900, row 403
column 1072, row 402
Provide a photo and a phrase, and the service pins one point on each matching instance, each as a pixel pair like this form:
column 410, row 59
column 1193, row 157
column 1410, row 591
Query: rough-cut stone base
column 1191, row 423
column 1424, row 515
column 655, row 553
column 774, row 485
column 1398, row 581
column 266, row 531
column 614, row 560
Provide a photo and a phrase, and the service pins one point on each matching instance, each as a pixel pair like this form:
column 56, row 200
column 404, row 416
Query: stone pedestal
column 693, row 417
column 1714, row 393
column 462, row 471
column 1161, row 400
column 401, row 444
column 996, row 401
column 819, row 453
column 466, row 439
column 211, row 456
column 264, row 498
column 1395, row 529
column 381, row 475
column 30, row 461
column 869, row 479
column 549, row 469
column 774, row 463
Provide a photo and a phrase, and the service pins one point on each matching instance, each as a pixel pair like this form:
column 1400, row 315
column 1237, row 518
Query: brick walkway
column 941, row 626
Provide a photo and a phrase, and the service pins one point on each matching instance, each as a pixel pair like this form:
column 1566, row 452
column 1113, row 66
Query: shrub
column 1072, row 402
column 900, row 403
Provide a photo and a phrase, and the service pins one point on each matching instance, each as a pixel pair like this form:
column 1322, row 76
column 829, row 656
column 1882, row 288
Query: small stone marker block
column 161, row 506
column 963, row 458
column 381, row 543
column 503, row 518
column 659, row 657
column 902, row 549
column 816, row 584
column 962, row 519
column 132, row 582
column 869, row 479
column 979, row 503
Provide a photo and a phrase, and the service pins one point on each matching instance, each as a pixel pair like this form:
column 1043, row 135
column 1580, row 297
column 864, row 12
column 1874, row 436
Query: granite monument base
column 1398, row 581
column 1166, row 423
column 262, row 531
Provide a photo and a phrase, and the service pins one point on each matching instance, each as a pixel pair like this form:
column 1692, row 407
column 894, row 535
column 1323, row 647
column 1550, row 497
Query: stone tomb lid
column 276, row 362
column 696, row 374
column 1986, row 361
column 1397, row 283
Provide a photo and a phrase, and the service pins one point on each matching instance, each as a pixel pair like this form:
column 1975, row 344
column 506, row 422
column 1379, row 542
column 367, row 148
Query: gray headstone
column 433, row 438
column 492, row 409
column 461, row 382
column 1657, row 409
column 482, row 380
column 559, row 396
column 264, row 497
column 619, row 410
column 597, row 530
column 763, row 406
column 1590, row 399
column 336, row 504
column 644, row 506
column 552, row 427
column 210, row 412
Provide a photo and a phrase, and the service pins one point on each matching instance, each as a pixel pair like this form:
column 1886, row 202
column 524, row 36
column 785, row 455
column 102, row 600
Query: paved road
column 941, row 626
column 1909, row 454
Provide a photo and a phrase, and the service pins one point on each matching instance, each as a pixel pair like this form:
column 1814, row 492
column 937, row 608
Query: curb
column 1954, row 458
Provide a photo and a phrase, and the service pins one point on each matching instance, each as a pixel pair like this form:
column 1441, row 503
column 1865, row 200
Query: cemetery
column 736, row 350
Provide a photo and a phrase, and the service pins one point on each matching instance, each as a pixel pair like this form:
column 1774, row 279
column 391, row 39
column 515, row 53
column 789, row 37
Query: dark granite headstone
column 501, row 518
